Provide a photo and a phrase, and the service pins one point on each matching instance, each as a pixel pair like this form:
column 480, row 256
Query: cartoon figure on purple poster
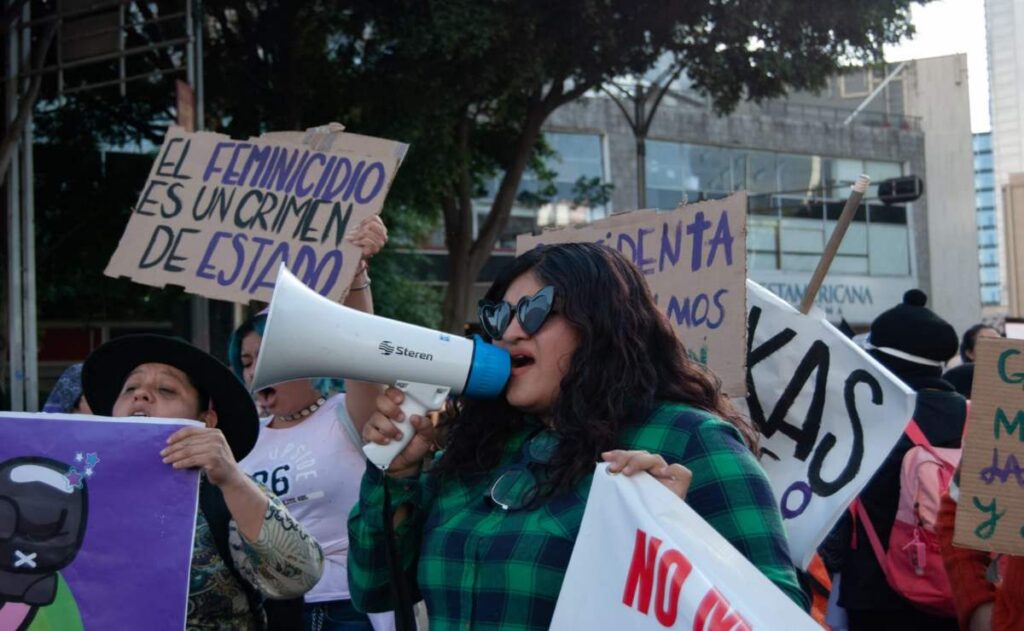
column 85, row 504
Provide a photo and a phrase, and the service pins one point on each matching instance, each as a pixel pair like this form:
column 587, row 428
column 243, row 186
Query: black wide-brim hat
column 106, row 369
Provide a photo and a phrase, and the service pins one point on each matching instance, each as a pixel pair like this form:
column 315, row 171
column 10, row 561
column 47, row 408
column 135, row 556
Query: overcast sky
column 945, row 27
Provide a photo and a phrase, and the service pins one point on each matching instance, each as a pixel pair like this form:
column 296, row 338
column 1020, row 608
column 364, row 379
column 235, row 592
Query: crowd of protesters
column 476, row 518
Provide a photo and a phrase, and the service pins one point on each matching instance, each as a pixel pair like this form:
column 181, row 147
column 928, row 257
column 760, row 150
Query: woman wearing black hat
column 914, row 343
column 247, row 546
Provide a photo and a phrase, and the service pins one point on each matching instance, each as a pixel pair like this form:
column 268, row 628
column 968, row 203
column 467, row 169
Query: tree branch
column 622, row 108
column 27, row 102
column 657, row 101
column 501, row 208
column 458, row 208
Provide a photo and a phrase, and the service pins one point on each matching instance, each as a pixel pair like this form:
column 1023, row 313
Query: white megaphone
column 308, row 336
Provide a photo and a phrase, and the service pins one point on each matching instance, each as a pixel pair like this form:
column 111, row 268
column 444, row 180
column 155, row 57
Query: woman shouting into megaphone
column 485, row 529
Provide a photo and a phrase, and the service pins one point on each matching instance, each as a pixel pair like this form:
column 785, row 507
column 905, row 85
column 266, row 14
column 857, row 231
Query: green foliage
column 83, row 201
column 395, row 271
column 468, row 83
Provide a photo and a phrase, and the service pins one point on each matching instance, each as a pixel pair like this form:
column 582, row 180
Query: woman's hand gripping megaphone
column 388, row 426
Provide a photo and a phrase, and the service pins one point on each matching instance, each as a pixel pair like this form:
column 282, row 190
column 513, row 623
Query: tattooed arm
column 284, row 561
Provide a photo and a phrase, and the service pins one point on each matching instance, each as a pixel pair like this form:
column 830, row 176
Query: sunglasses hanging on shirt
column 531, row 311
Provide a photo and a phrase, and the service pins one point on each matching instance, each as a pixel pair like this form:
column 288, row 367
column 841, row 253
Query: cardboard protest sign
column 695, row 262
column 990, row 507
column 218, row 216
column 95, row 530
column 645, row 560
column 828, row 412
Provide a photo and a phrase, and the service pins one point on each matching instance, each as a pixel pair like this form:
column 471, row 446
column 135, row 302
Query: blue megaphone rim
column 488, row 372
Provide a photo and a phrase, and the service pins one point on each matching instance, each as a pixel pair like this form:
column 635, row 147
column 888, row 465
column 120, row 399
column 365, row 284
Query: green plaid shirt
column 481, row 567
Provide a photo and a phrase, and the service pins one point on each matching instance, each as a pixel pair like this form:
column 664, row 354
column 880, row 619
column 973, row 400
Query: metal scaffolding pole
column 28, row 241
column 200, row 306
column 15, row 328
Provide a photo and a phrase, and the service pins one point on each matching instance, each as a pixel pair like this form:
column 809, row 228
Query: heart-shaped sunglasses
column 531, row 311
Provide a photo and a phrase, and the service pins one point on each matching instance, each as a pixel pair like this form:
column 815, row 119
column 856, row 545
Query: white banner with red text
column 645, row 560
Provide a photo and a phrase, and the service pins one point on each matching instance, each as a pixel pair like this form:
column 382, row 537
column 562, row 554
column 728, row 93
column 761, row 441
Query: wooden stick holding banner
column 856, row 195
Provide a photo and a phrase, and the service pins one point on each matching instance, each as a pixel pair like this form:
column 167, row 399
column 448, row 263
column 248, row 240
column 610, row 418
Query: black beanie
column 914, row 329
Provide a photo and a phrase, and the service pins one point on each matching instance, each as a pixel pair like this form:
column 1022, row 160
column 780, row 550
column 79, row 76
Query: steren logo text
column 387, row 348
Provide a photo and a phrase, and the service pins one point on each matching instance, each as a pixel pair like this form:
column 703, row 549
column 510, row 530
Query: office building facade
column 796, row 157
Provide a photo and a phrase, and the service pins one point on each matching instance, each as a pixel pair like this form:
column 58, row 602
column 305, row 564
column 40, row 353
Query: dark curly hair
column 627, row 361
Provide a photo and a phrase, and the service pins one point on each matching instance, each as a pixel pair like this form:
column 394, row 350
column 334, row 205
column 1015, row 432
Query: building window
column 988, row 257
column 793, row 205
column 855, row 84
column 984, row 162
column 577, row 161
column 991, row 295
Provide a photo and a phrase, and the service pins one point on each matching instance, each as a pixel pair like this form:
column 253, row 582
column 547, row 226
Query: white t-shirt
column 315, row 468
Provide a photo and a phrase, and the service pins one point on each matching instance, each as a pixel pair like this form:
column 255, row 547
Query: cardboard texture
column 990, row 508
column 695, row 262
column 218, row 216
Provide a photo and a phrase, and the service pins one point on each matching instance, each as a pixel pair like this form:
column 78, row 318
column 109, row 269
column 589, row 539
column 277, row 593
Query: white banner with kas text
column 828, row 414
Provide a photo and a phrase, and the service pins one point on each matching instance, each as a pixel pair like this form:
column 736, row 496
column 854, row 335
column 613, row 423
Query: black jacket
column 962, row 377
column 941, row 414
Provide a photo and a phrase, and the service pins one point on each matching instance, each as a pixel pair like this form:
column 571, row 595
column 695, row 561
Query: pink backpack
column 913, row 563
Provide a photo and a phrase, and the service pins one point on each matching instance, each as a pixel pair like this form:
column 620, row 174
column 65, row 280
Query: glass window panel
column 990, row 295
column 982, row 142
column 854, row 242
column 517, row 224
column 761, row 234
column 739, row 170
column 845, row 264
column 663, row 198
column 889, row 254
column 984, row 162
column 879, row 171
column 988, row 256
column 843, row 173
column 561, row 213
column 800, row 262
column 762, row 260
column 986, row 219
column 664, row 165
column 990, row 275
column 985, row 199
column 984, row 181
column 798, row 174
column 761, row 172
column 855, row 83
column 762, row 205
column 834, row 210
column 888, row 214
column 894, row 94
column 709, row 170
column 576, row 156
column 987, row 238
column 802, row 236
column 798, row 208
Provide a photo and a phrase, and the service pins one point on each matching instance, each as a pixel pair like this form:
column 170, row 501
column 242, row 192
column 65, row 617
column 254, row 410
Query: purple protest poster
column 95, row 530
